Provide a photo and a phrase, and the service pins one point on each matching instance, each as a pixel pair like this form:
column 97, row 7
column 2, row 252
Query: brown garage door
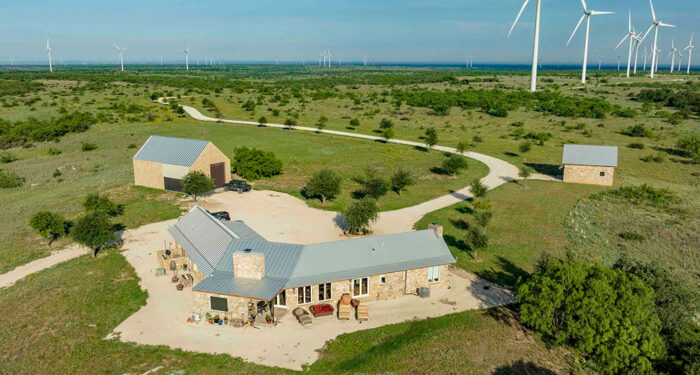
column 218, row 173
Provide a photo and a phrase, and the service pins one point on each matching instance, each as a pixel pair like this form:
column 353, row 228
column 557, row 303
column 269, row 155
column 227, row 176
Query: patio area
column 163, row 321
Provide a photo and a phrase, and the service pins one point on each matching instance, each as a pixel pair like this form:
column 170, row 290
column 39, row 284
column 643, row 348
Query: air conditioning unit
column 424, row 292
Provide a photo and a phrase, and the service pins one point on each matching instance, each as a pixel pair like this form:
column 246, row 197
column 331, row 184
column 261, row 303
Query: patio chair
column 262, row 307
column 362, row 313
column 302, row 316
column 344, row 311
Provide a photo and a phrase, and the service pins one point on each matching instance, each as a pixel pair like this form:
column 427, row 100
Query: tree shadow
column 453, row 241
column 523, row 368
column 460, row 224
column 548, row 169
column 440, row 171
column 671, row 151
column 504, row 272
column 421, row 148
column 508, row 153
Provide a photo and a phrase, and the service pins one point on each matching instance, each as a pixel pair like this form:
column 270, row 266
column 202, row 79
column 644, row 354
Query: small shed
column 162, row 162
column 588, row 164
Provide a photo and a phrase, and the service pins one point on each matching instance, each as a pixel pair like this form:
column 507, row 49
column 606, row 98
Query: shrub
column 53, row 151
column 56, row 173
column 400, row 180
column 454, row 164
column 476, row 239
column 6, row 157
column 289, row 122
column 10, row 180
column 645, row 194
column 638, row 130
column 541, row 138
column 478, row 189
column 689, row 145
column 431, row 137
column 462, row 147
column 360, row 214
column 262, row 120
column 95, row 202
column 253, row 164
column 87, row 146
column 131, row 145
column 482, row 217
column 195, row 183
column 658, row 158
column 385, row 123
column 482, row 204
column 322, row 122
column 477, row 139
column 388, row 134
column 632, row 236
column 372, row 185
column 354, row 123
column 594, row 309
column 49, row 225
column 639, row 146
column 324, row 184
column 525, row 171
column 525, row 147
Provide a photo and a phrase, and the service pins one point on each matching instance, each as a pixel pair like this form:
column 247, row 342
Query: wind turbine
column 587, row 15
column 535, row 47
column 340, row 59
column 646, row 56
column 655, row 25
column 48, row 51
column 187, row 57
column 600, row 61
column 618, row 63
column 321, row 56
column 680, row 60
column 690, row 52
column 656, row 63
column 630, row 34
column 672, row 53
column 121, row 55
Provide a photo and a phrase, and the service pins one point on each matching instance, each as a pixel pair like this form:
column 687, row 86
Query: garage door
column 173, row 184
column 218, row 174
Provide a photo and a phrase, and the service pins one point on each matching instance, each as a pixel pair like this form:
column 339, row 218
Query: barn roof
column 171, row 150
column 602, row 156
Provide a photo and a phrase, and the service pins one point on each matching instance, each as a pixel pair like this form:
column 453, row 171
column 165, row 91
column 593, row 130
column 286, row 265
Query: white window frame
column 352, row 287
column 434, row 274
column 277, row 299
column 382, row 279
column 327, row 292
column 303, row 294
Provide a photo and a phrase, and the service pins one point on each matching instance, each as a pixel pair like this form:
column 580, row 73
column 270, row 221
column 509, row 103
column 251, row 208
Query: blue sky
column 387, row 30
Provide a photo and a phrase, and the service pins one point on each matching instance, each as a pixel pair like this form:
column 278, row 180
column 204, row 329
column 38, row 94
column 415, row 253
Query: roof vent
column 247, row 250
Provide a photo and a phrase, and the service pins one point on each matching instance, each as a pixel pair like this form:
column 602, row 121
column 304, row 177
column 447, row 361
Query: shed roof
column 171, row 150
column 604, row 156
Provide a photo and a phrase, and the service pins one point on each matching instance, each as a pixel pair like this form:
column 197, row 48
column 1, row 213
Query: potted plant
column 268, row 318
column 252, row 321
column 226, row 320
column 207, row 316
column 354, row 302
column 216, row 319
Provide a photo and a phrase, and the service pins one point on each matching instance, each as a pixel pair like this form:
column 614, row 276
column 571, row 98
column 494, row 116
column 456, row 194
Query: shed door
column 173, row 184
column 218, row 174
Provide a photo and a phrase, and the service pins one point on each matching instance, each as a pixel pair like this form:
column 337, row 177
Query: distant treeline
column 684, row 100
column 19, row 133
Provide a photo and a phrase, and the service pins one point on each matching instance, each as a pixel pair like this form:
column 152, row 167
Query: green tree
column 96, row 202
column 454, row 164
column 607, row 314
column 388, row 134
column 478, row 189
column 385, row 123
column 476, row 239
column 290, row 122
column 262, row 120
column 253, row 164
column 431, row 137
column 690, row 146
column 321, row 123
column 196, row 183
column 462, row 147
column 50, row 225
column 354, row 123
column 324, row 184
column 360, row 214
column 372, row 184
column 400, row 180
column 525, row 171
column 93, row 230
column 525, row 147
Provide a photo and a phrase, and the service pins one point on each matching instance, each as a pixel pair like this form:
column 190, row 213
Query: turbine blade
column 623, row 39
column 629, row 24
column 583, row 2
column 116, row 46
column 595, row 12
column 666, row 24
column 576, row 28
column 653, row 14
column 518, row 17
column 647, row 33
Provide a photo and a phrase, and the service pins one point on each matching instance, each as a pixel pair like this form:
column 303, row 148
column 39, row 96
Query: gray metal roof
column 211, row 244
column 170, row 150
column 604, row 156
column 243, row 231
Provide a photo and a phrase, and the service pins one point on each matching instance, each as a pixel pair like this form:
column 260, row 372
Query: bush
column 658, row 158
column 645, row 194
column 454, row 164
column 289, row 122
column 354, row 123
column 431, row 137
column 262, row 120
column 10, row 180
column 638, row 130
column 324, row 184
column 639, row 146
column 371, row 184
column 607, row 314
column 6, row 157
column 34, row 130
column 88, row 146
column 56, row 173
column 478, row 189
column 49, row 225
column 360, row 214
column 253, row 164
column 525, row 171
column 95, row 202
column 53, row 151
column 462, row 147
column 131, row 145
column 388, row 134
column 195, row 183
column 322, row 122
column 482, row 217
column 689, row 145
column 525, row 147
column 632, row 236
column 476, row 239
column 385, row 123
column 400, row 180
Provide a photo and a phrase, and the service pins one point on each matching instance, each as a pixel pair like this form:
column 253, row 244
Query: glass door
column 281, row 299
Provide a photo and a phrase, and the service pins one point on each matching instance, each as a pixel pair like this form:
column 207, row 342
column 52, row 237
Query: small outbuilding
column 587, row 164
column 162, row 162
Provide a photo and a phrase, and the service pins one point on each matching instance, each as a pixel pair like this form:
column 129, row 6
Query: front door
column 281, row 299
column 218, row 174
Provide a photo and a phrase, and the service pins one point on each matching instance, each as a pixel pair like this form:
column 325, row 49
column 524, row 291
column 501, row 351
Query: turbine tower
column 630, row 34
column 672, row 53
column 535, row 47
column 618, row 63
column 655, row 25
column 646, row 56
column 48, row 51
column 587, row 15
column 690, row 52
column 600, row 61
column 121, row 55
column 187, row 57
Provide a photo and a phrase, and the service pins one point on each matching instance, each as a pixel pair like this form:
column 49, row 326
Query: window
column 218, row 304
column 382, row 279
column 324, row 292
column 602, row 174
column 281, row 299
column 433, row 274
column 304, row 294
column 360, row 287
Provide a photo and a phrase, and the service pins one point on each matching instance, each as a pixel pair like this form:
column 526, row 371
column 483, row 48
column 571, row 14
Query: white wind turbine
column 600, row 61
column 321, row 56
column 48, row 51
column 121, row 55
column 187, row 57
column 672, row 53
column 655, row 25
column 646, row 56
column 618, row 63
column 656, row 63
column 587, row 15
column 680, row 60
column 690, row 52
column 535, row 48
column 630, row 34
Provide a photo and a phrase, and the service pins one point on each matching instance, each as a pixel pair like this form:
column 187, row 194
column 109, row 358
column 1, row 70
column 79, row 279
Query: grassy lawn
column 60, row 330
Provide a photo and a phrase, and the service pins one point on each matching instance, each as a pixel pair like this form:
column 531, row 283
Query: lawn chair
column 344, row 311
column 362, row 313
column 302, row 316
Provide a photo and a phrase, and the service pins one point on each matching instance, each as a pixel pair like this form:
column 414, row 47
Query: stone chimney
column 436, row 228
column 249, row 264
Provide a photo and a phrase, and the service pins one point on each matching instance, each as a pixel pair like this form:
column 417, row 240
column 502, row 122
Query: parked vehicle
column 239, row 186
column 220, row 215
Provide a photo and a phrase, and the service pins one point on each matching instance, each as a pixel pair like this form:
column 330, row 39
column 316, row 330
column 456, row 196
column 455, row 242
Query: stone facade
column 237, row 306
column 249, row 265
column 148, row 173
column 211, row 155
column 588, row 174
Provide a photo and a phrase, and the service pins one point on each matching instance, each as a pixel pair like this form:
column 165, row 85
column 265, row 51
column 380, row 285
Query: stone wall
column 237, row 306
column 211, row 155
column 148, row 173
column 587, row 174
column 249, row 265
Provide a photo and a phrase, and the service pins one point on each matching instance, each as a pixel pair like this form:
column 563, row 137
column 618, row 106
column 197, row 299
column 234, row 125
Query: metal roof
column 211, row 244
column 604, row 156
column 170, row 150
column 243, row 231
